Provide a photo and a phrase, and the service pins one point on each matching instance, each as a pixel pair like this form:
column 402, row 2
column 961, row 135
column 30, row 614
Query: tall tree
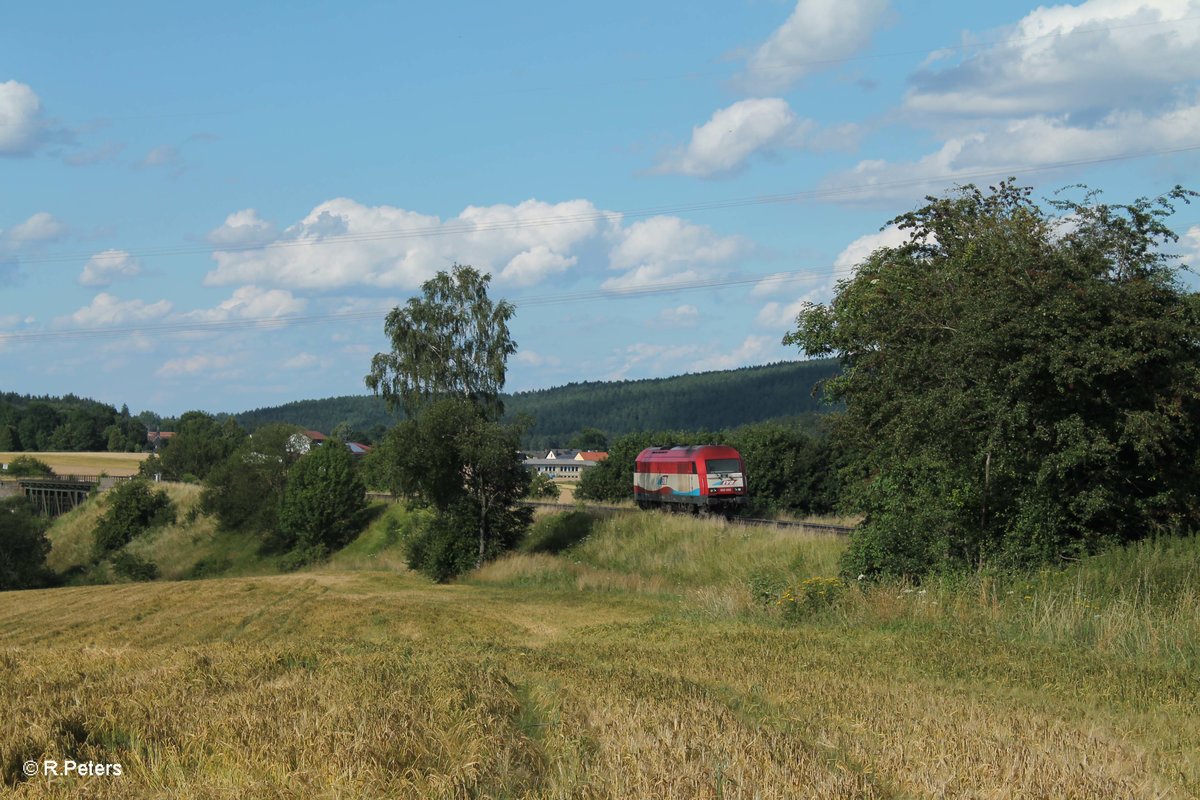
column 449, row 357
column 1021, row 384
column 453, row 341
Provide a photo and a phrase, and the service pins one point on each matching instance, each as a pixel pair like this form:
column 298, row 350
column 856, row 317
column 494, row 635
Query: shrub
column 443, row 547
column 23, row 545
column 542, row 486
column 133, row 508
column 28, row 467
column 130, row 567
column 323, row 502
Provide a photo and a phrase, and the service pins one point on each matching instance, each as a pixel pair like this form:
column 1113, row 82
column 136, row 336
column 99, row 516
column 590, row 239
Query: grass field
column 115, row 464
column 641, row 662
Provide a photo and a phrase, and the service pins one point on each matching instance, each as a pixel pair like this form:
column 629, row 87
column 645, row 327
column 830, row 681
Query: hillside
column 700, row 401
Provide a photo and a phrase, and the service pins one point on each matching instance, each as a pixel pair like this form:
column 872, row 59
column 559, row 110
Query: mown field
column 656, row 657
column 115, row 464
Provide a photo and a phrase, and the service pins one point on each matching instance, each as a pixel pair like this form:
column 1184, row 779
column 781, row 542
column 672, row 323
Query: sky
column 213, row 206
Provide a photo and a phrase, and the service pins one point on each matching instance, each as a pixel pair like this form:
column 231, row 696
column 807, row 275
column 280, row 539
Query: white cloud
column 1002, row 148
column 816, row 35
column 342, row 243
column 1084, row 59
column 251, row 302
column 162, row 156
column 533, row 359
column 41, row 227
column 243, row 228
column 685, row 316
column 21, row 125
column 109, row 266
column 669, row 250
column 1191, row 247
column 105, row 309
column 193, row 365
column 777, row 314
column 722, row 145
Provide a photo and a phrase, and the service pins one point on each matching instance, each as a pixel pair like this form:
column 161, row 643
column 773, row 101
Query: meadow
column 636, row 655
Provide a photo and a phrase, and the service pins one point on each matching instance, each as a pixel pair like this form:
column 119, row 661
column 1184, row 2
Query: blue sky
column 214, row 206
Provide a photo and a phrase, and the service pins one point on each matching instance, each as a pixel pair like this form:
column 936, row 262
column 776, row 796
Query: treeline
column 707, row 400
column 68, row 423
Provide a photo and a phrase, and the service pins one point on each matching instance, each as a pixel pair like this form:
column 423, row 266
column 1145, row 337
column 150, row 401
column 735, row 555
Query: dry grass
column 637, row 664
column 115, row 464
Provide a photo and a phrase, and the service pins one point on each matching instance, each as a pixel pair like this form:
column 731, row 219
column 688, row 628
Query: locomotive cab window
column 723, row 465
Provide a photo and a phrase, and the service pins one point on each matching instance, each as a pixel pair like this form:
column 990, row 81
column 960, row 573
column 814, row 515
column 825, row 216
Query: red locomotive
column 698, row 478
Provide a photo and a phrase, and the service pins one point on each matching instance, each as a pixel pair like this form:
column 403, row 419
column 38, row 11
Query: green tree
column 1021, row 384
column 323, row 503
column 201, row 442
column 23, row 545
column 592, row 439
column 542, row 487
column 28, row 467
column 453, row 341
column 244, row 492
column 131, row 508
column 455, row 458
column 449, row 356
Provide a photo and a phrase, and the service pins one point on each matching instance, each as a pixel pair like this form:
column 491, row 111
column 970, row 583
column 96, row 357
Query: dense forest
column 68, row 423
column 702, row 401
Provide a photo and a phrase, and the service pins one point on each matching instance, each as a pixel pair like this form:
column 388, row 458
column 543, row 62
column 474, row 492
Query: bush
column 542, row 486
column 443, row 546
column 130, row 567
column 556, row 533
column 133, row 508
column 28, row 467
column 23, row 545
column 324, row 501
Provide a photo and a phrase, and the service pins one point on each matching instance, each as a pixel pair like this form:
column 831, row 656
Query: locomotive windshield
column 723, row 465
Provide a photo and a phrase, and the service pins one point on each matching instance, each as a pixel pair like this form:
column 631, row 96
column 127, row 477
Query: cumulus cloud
column 1190, row 242
column 1000, row 148
column 342, row 243
column 193, row 365
column 722, row 145
column 1081, row 60
column 109, row 266
column 243, row 228
column 816, row 35
column 251, row 302
column 533, row 359
column 685, row 316
column 106, row 309
column 669, row 250
column 22, row 129
column 776, row 314
column 41, row 227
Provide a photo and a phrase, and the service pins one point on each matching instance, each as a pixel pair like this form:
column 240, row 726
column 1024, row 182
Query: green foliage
column 132, row 508
column 444, row 547
column 28, row 467
column 542, row 487
column 245, row 491
column 323, row 503
column 453, row 341
column 67, row 423
column 555, row 533
column 23, row 545
column 592, row 439
column 810, row 596
column 130, row 567
column 455, row 458
column 201, row 442
column 1021, row 386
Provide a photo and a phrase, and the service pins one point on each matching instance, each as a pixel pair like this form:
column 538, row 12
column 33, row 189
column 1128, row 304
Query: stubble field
column 636, row 664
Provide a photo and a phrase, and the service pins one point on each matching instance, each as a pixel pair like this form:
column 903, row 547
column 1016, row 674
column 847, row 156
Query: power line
column 460, row 228
column 267, row 323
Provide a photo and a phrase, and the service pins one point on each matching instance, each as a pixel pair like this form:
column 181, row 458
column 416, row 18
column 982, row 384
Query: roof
column 358, row 449
column 154, row 435
column 591, row 455
column 316, row 436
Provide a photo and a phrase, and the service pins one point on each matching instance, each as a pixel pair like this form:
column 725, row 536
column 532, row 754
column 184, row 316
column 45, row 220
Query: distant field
column 639, row 663
column 115, row 464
